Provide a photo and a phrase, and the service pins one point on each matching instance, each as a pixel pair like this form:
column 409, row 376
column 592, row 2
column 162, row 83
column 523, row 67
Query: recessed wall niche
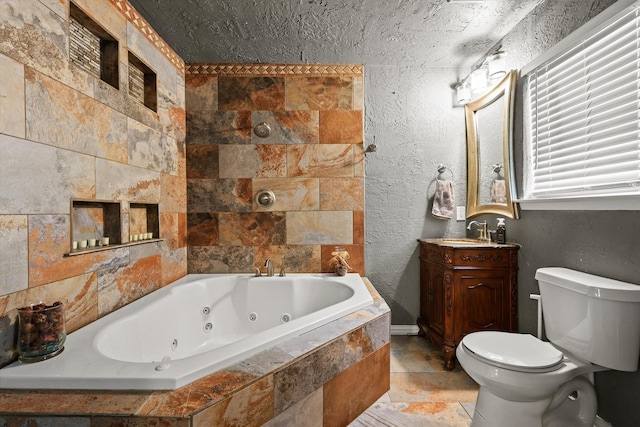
column 93, row 219
column 144, row 218
column 142, row 83
column 97, row 219
column 92, row 48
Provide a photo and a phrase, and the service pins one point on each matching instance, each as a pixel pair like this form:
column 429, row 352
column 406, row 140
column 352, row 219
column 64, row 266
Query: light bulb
column 463, row 92
column 478, row 80
column 497, row 65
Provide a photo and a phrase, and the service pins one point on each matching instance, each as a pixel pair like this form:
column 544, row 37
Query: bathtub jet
column 189, row 329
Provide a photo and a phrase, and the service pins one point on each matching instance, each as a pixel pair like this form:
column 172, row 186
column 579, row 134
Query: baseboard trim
column 404, row 329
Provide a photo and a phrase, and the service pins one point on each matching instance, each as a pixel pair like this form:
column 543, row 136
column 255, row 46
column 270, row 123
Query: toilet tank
column 594, row 318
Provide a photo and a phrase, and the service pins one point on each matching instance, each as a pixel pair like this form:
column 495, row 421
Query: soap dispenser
column 501, row 232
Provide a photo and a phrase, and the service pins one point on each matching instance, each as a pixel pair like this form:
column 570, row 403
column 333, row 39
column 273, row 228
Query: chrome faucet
column 482, row 226
column 269, row 264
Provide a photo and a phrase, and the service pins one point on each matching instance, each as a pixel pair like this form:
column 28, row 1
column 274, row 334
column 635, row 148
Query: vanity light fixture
column 482, row 78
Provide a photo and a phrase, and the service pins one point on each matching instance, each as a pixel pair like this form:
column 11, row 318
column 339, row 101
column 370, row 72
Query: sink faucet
column 482, row 226
column 269, row 264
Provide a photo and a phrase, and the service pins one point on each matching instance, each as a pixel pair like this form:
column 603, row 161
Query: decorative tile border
column 143, row 26
column 274, row 69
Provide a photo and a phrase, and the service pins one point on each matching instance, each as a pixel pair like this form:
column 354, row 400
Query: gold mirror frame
column 502, row 91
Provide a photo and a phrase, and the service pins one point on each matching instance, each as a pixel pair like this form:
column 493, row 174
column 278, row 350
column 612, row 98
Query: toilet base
column 573, row 404
column 494, row 411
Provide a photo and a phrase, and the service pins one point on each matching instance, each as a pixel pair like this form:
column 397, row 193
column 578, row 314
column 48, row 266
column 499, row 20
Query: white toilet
column 593, row 324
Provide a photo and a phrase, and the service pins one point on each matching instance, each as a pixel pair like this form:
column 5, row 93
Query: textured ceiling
column 386, row 32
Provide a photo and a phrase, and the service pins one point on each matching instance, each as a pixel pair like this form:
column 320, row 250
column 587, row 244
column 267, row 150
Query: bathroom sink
column 461, row 242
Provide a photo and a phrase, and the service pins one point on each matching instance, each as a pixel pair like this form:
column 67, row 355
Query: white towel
column 443, row 200
column 498, row 191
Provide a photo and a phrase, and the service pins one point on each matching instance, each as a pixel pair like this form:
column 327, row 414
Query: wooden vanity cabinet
column 464, row 288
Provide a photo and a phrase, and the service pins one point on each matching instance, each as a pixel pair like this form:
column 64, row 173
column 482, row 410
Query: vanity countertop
column 468, row 243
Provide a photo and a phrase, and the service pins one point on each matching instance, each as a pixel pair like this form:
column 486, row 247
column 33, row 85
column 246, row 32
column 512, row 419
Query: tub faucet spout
column 269, row 264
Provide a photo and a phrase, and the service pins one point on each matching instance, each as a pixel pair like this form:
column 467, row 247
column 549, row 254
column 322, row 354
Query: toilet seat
column 518, row 352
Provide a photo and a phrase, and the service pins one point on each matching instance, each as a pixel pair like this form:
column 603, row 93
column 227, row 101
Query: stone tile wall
column 66, row 134
column 312, row 161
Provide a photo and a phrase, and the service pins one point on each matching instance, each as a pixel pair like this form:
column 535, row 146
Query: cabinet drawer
column 482, row 258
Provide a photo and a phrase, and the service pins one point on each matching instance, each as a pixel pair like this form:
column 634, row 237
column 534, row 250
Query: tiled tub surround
column 195, row 326
column 313, row 161
column 327, row 376
column 65, row 134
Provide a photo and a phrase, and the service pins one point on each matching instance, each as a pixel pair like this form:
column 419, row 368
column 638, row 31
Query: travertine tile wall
column 312, row 161
column 66, row 134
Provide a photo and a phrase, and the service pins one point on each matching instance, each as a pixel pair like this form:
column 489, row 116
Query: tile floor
column 422, row 392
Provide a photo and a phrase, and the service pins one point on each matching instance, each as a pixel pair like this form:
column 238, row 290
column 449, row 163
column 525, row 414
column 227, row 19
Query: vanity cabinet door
column 483, row 301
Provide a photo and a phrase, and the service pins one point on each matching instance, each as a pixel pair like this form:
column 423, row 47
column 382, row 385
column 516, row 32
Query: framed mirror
column 489, row 121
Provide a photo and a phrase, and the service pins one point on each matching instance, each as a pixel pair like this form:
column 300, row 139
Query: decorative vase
column 41, row 331
column 340, row 270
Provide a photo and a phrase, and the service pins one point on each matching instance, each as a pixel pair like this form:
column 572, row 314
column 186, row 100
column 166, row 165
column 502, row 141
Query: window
column 582, row 116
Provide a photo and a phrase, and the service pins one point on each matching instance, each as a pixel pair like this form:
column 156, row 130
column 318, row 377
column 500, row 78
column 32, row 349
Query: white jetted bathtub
column 189, row 329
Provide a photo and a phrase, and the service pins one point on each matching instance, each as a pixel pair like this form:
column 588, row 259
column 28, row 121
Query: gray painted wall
column 419, row 129
column 410, row 117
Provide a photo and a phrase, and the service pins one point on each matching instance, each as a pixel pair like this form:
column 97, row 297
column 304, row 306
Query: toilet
column 592, row 323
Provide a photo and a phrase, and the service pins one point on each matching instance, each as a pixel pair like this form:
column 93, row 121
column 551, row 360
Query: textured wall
column 312, row 161
column 65, row 134
column 409, row 32
column 411, row 119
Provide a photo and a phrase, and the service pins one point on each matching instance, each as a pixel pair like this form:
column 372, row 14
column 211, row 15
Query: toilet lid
column 518, row 351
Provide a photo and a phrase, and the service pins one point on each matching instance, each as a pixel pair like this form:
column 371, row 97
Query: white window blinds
column 584, row 116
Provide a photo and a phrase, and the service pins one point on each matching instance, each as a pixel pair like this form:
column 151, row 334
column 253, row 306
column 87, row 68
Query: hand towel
column 498, row 191
column 443, row 200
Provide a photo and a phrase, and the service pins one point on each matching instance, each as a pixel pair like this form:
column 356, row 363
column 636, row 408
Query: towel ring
column 496, row 169
column 442, row 169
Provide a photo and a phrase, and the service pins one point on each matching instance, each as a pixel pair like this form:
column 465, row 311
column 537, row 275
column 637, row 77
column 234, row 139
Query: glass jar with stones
column 41, row 331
